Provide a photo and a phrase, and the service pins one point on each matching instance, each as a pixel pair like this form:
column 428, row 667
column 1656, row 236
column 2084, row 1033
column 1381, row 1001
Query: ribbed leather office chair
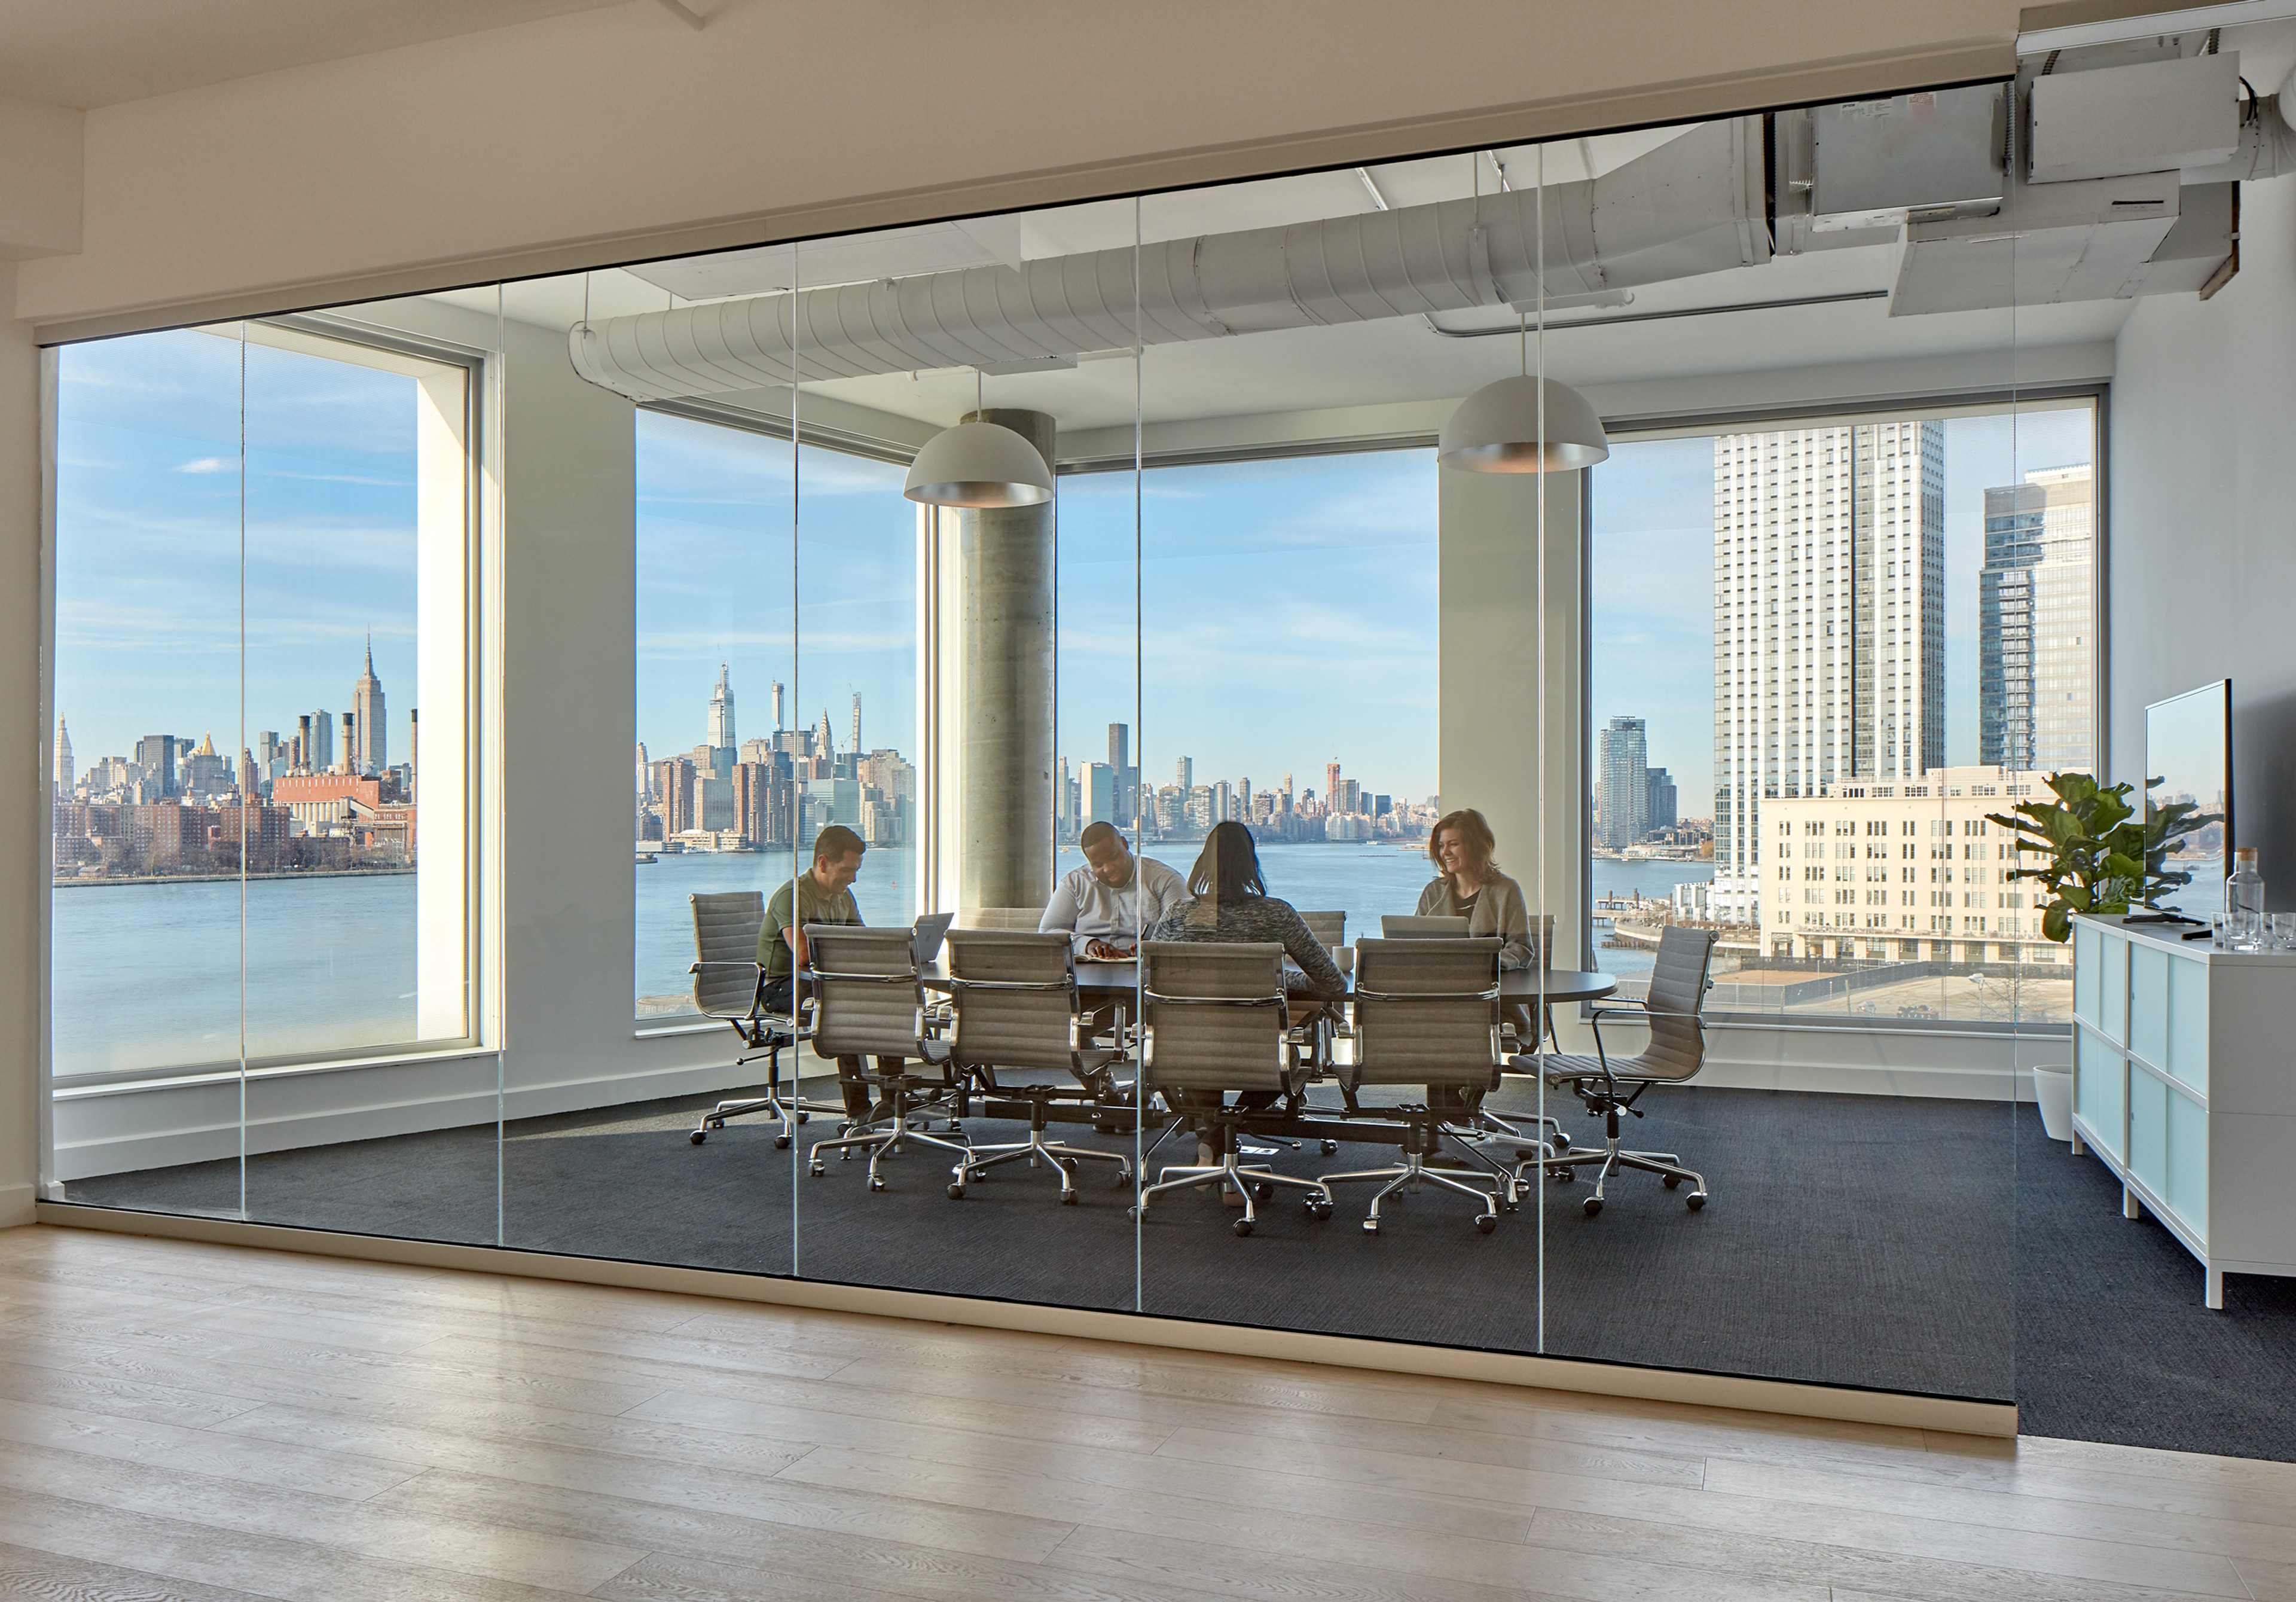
column 1330, row 932
column 1426, row 1012
column 1676, row 1052
column 867, row 1003
column 1216, row 1020
column 728, row 985
column 1015, row 1001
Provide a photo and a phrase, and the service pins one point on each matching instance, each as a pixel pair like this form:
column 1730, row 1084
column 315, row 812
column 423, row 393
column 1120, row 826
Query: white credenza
column 2185, row 1087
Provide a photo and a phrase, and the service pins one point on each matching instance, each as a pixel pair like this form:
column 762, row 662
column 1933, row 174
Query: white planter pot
column 2053, row 1089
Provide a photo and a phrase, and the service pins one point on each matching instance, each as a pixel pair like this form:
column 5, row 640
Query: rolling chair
column 1426, row 1012
column 728, row 985
column 1015, row 1001
column 1215, row 1019
column 1675, row 1054
column 867, row 1003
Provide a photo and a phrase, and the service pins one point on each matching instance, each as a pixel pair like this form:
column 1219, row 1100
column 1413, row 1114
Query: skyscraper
column 1184, row 773
column 1331, row 787
column 319, row 755
column 65, row 772
column 721, row 713
column 1119, row 746
column 155, row 754
column 370, row 720
column 778, row 725
column 1661, row 810
column 2035, row 618
column 854, row 744
column 1829, row 622
column 1622, row 766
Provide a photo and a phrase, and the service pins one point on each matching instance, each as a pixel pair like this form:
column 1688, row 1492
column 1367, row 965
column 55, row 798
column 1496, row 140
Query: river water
column 149, row 974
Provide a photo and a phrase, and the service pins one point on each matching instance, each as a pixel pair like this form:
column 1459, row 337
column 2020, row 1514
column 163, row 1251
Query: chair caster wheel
column 1133, row 1213
column 1262, row 1191
column 1563, row 1176
column 1670, row 1180
column 1695, row 1200
column 698, row 1137
column 1371, row 1226
column 1123, row 1175
column 1486, row 1223
column 1558, row 1144
column 1067, row 1198
column 955, row 1128
column 801, row 1118
column 876, row 1184
column 816, row 1170
column 1319, row 1210
column 1331, row 1148
column 781, row 1143
column 1594, row 1205
column 957, row 1193
column 1241, row 1226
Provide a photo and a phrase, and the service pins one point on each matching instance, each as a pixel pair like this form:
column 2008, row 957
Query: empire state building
column 370, row 724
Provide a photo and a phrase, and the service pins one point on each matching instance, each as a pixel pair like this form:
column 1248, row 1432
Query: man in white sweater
column 1102, row 906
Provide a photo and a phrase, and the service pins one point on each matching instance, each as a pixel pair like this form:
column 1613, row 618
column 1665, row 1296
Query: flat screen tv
column 2188, row 749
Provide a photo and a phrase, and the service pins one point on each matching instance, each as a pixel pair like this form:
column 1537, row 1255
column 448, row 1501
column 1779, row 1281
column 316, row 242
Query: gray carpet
column 1932, row 1246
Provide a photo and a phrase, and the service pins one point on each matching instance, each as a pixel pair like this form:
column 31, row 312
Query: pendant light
column 980, row 464
column 1525, row 424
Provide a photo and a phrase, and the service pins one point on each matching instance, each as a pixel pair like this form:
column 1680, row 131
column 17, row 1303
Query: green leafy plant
column 2101, row 857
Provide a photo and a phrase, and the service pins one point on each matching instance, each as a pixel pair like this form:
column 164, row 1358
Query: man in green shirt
column 822, row 894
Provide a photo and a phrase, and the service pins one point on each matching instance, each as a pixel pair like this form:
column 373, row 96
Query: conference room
column 1716, row 513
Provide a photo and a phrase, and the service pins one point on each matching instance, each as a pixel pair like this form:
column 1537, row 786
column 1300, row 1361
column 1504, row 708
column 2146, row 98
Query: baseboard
column 1888, row 1407
column 16, row 1205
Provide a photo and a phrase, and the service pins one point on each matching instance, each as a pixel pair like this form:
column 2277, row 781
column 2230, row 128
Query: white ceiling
column 99, row 52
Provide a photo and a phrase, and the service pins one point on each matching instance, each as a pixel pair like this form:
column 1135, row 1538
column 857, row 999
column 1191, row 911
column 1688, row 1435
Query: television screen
column 2188, row 749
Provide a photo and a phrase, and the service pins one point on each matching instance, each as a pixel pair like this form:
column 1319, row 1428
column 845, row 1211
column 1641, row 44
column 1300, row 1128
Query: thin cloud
column 208, row 464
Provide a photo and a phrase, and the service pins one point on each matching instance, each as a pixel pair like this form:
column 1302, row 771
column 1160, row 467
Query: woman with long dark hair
column 1229, row 903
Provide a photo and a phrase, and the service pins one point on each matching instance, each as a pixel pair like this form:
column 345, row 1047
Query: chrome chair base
column 1253, row 1181
column 1612, row 1159
column 1413, row 1172
column 889, row 1132
column 1060, row 1158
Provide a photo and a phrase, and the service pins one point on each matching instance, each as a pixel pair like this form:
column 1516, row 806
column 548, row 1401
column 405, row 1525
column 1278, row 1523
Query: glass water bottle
column 2245, row 902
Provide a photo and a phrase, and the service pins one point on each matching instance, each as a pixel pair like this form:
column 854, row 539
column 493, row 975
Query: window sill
column 68, row 1089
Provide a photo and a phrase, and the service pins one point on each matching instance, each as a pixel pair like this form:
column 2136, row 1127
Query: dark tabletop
column 1519, row 984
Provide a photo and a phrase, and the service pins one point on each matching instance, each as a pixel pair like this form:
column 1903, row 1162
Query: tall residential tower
column 1829, row 622
column 2036, row 622
column 1622, row 769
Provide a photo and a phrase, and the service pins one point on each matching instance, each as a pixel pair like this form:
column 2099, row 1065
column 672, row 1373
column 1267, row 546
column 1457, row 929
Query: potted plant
column 2099, row 857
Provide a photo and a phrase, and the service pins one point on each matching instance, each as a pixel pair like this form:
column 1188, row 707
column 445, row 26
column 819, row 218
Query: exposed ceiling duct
column 1692, row 206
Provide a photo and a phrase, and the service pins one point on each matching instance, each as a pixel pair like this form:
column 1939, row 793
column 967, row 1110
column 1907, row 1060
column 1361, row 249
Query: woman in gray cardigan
column 1470, row 885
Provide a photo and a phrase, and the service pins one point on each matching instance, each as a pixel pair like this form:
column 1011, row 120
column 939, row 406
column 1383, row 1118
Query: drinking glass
column 2220, row 927
column 2283, row 931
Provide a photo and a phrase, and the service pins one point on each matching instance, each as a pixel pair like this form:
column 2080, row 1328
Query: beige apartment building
column 1906, row 871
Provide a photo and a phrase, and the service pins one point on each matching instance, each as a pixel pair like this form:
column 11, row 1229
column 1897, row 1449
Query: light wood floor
column 210, row 1422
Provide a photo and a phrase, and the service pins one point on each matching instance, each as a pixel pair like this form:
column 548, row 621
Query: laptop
column 930, row 929
column 1391, row 926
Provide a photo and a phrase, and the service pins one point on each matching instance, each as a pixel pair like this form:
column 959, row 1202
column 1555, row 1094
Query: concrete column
column 27, row 720
column 1005, row 746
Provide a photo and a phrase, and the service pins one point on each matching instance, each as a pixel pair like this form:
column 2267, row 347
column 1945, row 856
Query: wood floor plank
column 232, row 1510
column 916, row 1418
column 27, row 1575
column 1147, row 1565
column 167, row 1446
column 122, row 1398
column 284, row 1568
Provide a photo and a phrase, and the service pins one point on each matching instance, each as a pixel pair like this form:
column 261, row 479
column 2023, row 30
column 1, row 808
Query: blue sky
column 149, row 600
column 1653, row 580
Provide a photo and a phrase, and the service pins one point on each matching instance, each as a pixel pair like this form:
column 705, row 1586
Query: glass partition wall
column 1658, row 553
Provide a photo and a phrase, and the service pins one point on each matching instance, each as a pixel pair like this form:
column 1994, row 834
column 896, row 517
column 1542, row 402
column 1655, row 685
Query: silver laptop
column 931, row 929
column 1392, row 926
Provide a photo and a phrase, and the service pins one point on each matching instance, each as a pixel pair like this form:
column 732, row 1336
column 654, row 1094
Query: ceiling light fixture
column 979, row 465
column 1524, row 424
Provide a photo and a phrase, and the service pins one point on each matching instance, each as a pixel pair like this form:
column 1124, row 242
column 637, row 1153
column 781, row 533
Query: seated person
column 822, row 894
column 1102, row 906
column 1231, row 905
column 1468, row 884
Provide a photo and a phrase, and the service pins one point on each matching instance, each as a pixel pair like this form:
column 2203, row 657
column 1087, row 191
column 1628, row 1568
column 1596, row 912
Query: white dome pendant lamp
column 980, row 465
column 1525, row 424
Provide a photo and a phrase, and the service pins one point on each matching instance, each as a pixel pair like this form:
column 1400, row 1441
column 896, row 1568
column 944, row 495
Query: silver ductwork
column 1694, row 205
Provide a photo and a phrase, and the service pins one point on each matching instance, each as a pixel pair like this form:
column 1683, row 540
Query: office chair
column 1017, row 920
column 1514, row 1018
column 1015, row 1001
column 1215, row 1019
column 728, row 985
column 1426, row 1012
column 1676, row 1052
column 867, row 1003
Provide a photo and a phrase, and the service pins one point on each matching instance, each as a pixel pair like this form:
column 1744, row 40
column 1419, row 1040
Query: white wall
column 24, row 856
column 2202, row 570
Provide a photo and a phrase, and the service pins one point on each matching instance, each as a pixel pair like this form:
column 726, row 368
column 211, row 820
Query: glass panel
column 2100, row 1091
column 145, row 955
